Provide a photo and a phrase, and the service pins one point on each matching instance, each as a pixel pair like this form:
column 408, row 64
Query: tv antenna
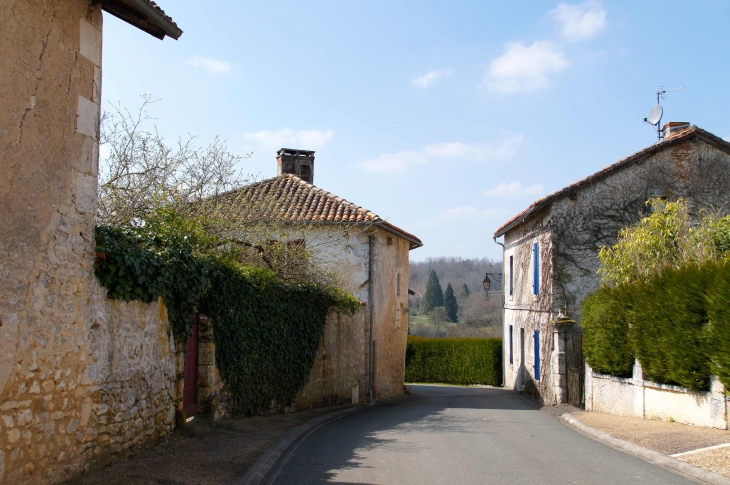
column 655, row 116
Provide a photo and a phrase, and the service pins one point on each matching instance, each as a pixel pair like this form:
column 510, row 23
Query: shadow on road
column 419, row 413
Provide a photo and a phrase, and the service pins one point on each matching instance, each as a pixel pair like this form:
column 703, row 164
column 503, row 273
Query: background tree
column 434, row 296
column 438, row 318
column 450, row 303
column 465, row 290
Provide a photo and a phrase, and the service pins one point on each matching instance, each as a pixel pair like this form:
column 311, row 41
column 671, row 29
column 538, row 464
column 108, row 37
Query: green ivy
column 266, row 332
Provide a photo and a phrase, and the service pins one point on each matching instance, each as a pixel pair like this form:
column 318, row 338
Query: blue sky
column 446, row 118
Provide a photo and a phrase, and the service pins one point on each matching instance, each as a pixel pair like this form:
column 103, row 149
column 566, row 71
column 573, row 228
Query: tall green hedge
column 718, row 311
column 669, row 326
column 677, row 325
column 454, row 360
column 605, row 331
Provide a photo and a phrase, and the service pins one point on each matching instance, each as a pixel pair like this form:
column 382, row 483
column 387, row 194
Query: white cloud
column 213, row 66
column 427, row 79
column 461, row 213
column 402, row 161
column 288, row 138
column 581, row 21
column 506, row 148
column 525, row 68
column 514, row 189
column 392, row 162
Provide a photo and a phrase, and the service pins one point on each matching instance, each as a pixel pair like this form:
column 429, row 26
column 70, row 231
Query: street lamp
column 487, row 283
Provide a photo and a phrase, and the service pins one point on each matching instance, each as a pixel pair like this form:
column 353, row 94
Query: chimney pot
column 296, row 162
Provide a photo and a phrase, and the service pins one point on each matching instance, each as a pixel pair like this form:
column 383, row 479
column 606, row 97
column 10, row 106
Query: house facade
column 361, row 357
column 83, row 380
column 551, row 254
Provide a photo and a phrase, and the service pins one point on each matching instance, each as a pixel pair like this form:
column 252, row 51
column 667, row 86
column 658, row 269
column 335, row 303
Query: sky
column 445, row 118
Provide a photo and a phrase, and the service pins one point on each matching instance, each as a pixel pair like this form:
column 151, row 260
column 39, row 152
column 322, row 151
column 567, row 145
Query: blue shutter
column 537, row 355
column 536, row 268
column 511, row 278
column 510, row 345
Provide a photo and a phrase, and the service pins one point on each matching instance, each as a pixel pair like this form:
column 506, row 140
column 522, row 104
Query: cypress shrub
column 454, row 360
column 605, row 331
column 669, row 329
column 718, row 311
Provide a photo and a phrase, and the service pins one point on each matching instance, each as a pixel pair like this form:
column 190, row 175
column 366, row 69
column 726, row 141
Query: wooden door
column 575, row 364
column 190, row 379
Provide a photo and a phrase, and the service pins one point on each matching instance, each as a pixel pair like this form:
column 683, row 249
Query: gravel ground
column 661, row 436
column 717, row 460
column 214, row 454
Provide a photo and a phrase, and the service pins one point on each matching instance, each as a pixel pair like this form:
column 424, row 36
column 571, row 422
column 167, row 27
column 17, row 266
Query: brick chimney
column 674, row 127
column 296, row 162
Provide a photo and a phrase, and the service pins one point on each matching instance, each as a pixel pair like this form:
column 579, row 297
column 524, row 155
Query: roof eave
column 144, row 16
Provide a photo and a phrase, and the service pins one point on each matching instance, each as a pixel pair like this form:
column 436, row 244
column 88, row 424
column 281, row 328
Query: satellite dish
column 656, row 114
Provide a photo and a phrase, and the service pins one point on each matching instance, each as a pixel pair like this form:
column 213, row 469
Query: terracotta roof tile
column 289, row 198
column 677, row 139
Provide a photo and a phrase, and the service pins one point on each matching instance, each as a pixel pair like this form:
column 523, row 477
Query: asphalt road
column 457, row 435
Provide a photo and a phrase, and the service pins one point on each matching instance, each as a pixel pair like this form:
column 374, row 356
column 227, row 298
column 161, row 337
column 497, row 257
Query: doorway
column 190, row 376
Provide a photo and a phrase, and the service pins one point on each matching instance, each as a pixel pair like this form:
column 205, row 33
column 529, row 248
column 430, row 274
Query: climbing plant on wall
column 267, row 332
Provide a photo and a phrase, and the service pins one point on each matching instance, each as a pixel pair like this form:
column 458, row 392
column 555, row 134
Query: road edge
column 266, row 463
column 667, row 462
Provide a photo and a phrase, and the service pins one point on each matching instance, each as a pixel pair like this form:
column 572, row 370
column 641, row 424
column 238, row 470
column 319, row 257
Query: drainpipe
column 504, row 365
column 371, row 292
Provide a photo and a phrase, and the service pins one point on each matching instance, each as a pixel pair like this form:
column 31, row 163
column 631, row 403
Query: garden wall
column 637, row 397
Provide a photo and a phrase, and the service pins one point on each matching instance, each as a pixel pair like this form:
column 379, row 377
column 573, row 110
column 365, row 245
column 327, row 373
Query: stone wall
column 339, row 374
column 83, row 380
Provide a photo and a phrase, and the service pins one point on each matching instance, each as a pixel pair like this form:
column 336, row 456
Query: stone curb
column 667, row 462
column 279, row 454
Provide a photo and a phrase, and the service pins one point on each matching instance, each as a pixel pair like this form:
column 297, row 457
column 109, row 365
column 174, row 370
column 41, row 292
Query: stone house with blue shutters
column 551, row 254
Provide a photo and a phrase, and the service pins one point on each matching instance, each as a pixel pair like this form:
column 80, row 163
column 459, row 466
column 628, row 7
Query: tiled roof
column 677, row 139
column 146, row 15
column 157, row 7
column 288, row 198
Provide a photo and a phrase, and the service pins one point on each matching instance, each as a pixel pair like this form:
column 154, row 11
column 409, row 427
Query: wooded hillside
column 477, row 314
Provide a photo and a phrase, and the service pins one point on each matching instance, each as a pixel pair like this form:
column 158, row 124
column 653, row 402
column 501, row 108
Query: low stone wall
column 637, row 397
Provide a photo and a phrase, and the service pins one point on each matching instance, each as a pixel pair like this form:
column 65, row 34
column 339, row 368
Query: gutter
column 371, row 292
column 504, row 360
column 142, row 14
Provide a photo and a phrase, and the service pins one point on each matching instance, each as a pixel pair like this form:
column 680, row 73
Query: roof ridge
column 681, row 136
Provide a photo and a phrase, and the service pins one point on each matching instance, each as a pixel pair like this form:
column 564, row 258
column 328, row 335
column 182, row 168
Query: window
column 511, row 278
column 511, row 357
column 537, row 355
column 397, row 284
column 536, row 269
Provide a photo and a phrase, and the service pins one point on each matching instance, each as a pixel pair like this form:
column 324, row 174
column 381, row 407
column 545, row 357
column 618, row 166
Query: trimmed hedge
column 677, row 325
column 454, row 360
column 718, row 311
column 605, row 332
column 669, row 329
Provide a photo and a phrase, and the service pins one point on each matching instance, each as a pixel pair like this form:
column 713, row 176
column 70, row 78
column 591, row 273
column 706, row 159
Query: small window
column 390, row 241
column 397, row 284
column 537, row 355
column 511, row 353
column 511, row 277
column 536, row 269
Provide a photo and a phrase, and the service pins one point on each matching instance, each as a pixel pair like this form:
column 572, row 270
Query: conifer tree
column 450, row 303
column 465, row 290
column 434, row 296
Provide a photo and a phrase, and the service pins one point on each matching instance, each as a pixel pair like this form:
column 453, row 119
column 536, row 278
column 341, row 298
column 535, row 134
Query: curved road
column 459, row 435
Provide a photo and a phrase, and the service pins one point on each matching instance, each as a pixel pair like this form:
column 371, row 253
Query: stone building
column 371, row 254
column 83, row 379
column 551, row 253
